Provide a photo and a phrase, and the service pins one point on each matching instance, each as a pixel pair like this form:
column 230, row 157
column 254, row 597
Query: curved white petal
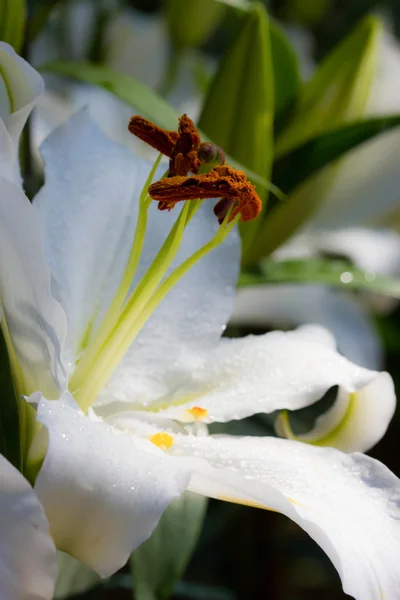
column 355, row 422
column 349, row 504
column 291, row 305
column 87, row 209
column 20, row 88
column 189, row 321
column 103, row 490
column 264, row 373
column 27, row 552
column 35, row 322
column 23, row 86
column 9, row 165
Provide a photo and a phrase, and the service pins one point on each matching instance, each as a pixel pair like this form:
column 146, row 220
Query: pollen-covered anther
column 163, row 440
column 222, row 182
column 198, row 413
column 184, row 159
column 160, row 139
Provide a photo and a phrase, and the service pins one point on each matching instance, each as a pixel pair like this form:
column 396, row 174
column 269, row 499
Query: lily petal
column 24, row 86
column 189, row 321
column 34, row 322
column 87, row 209
column 292, row 305
column 265, row 373
column 20, row 88
column 103, row 490
column 349, row 504
column 355, row 422
column 27, row 552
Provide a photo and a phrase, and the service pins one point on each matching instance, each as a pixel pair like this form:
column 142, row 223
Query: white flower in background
column 20, row 89
column 364, row 194
column 124, row 376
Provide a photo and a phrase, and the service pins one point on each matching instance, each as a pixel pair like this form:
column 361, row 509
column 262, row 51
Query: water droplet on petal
column 346, row 277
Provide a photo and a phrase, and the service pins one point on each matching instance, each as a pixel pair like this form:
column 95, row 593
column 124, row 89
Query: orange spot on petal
column 197, row 412
column 162, row 440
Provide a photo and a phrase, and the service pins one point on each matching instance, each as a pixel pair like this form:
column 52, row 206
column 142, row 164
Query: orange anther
column 186, row 153
column 197, row 412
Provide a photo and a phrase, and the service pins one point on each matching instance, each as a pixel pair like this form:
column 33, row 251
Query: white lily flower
column 20, row 89
column 132, row 387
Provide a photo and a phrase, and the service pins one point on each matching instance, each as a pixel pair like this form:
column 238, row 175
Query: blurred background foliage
column 242, row 553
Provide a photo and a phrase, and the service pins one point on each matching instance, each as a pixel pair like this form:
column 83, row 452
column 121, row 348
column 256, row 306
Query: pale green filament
column 114, row 310
column 119, row 315
column 142, row 304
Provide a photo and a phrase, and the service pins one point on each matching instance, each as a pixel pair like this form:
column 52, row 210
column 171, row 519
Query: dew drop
column 346, row 277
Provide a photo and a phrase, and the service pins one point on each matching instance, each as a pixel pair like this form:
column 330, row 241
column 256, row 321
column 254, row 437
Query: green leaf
column 307, row 163
column 304, row 161
column 337, row 273
column 159, row 563
column 12, row 23
column 139, row 96
column 243, row 5
column 238, row 109
column 285, row 67
column 191, row 22
column 195, row 591
column 10, row 441
column 339, row 90
column 73, row 577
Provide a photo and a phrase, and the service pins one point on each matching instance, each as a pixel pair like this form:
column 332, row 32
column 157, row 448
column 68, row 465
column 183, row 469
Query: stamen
column 187, row 153
column 184, row 154
column 198, row 413
column 156, row 137
column 222, row 181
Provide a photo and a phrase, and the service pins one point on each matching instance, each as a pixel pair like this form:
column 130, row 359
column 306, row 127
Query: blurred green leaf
column 306, row 13
column 339, row 90
column 10, row 441
column 285, row 67
column 307, row 163
column 139, row 96
column 335, row 96
column 73, row 577
column 203, row 592
column 238, row 109
column 337, row 273
column 12, row 23
column 293, row 168
column 191, row 22
column 159, row 563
